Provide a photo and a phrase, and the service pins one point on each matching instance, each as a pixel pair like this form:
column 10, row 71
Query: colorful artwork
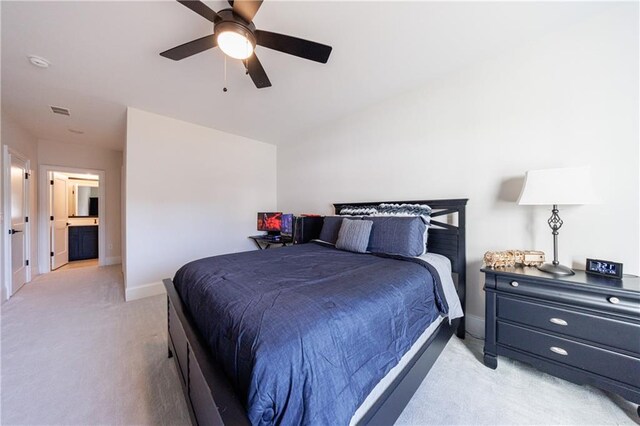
column 287, row 224
column 270, row 221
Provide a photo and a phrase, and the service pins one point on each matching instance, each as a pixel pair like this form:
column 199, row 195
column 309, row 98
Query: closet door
column 18, row 224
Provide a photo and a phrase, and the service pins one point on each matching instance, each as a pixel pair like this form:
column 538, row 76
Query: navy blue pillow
column 330, row 229
column 404, row 235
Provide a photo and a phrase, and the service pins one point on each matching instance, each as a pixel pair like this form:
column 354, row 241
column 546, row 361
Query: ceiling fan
column 237, row 37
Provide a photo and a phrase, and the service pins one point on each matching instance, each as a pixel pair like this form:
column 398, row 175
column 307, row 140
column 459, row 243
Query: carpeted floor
column 73, row 352
column 79, row 264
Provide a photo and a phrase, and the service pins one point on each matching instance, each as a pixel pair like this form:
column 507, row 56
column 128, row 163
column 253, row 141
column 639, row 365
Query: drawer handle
column 559, row 351
column 614, row 300
column 558, row 321
column 514, row 284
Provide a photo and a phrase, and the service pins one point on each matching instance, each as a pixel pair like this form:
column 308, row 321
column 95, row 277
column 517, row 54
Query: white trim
column 6, row 214
column 7, row 154
column 44, row 244
column 475, row 325
column 113, row 260
column 146, row 290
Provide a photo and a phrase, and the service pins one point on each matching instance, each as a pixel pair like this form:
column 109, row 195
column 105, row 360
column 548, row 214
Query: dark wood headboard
column 444, row 238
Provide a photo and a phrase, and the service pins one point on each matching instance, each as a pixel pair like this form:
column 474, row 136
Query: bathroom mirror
column 83, row 200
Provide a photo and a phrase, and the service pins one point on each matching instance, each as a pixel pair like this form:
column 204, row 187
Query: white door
column 18, row 224
column 59, row 219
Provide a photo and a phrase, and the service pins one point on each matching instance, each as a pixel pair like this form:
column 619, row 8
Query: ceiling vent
column 59, row 110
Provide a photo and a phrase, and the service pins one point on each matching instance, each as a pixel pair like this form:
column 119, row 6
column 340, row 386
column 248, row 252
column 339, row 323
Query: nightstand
column 582, row 328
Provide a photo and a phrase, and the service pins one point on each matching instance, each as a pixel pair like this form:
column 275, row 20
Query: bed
column 310, row 348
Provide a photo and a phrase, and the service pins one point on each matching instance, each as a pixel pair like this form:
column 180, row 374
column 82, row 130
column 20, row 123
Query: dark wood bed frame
column 212, row 400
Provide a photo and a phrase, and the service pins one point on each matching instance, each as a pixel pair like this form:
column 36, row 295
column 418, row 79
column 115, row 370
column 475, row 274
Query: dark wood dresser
column 582, row 328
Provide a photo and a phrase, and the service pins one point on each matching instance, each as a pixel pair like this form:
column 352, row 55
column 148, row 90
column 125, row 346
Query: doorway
column 72, row 214
column 17, row 235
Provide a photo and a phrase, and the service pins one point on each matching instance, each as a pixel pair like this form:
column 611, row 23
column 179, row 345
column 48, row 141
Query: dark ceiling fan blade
column 256, row 72
column 190, row 48
column 294, row 46
column 246, row 8
column 201, row 9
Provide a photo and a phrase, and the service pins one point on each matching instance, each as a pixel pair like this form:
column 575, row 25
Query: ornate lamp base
column 556, row 269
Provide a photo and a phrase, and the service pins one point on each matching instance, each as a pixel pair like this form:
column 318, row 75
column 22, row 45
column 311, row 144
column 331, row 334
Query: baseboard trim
column 475, row 325
column 146, row 290
column 35, row 271
column 113, row 260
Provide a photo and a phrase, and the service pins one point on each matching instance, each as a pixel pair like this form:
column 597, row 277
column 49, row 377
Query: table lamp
column 555, row 187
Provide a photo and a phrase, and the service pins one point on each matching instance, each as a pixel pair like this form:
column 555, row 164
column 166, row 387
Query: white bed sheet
column 442, row 264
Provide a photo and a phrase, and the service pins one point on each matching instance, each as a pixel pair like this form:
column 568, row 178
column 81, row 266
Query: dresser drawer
column 615, row 366
column 572, row 294
column 597, row 329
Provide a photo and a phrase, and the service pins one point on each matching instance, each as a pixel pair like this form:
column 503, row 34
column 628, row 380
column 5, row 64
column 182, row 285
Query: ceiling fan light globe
column 235, row 45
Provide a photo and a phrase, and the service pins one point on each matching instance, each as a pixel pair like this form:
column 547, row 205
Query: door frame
column 7, row 154
column 44, row 233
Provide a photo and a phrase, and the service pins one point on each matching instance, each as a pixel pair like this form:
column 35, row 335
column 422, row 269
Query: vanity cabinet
column 83, row 242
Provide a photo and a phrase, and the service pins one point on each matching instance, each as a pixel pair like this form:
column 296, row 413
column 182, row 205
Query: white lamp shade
column 558, row 186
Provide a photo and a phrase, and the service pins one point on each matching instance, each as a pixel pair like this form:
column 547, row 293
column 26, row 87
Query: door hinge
column 51, row 181
column 26, row 219
column 27, row 175
column 51, row 254
column 26, row 262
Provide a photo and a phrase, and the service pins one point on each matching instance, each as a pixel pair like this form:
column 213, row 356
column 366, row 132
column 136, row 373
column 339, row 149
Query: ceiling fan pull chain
column 224, row 89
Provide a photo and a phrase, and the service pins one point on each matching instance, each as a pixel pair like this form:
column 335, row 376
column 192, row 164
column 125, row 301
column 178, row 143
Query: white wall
column 91, row 157
column 569, row 99
column 191, row 192
column 19, row 139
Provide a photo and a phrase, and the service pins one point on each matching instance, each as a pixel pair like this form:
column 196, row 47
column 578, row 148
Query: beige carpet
column 79, row 264
column 73, row 352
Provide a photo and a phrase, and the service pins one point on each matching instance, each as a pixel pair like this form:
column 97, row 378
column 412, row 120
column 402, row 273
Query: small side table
column 264, row 243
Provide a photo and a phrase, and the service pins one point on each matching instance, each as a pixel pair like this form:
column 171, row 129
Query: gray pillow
column 354, row 235
column 330, row 229
column 404, row 235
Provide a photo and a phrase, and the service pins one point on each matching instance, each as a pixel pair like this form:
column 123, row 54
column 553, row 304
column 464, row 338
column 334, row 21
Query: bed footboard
column 209, row 395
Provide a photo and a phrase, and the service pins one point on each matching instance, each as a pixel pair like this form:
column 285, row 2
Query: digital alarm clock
column 604, row 268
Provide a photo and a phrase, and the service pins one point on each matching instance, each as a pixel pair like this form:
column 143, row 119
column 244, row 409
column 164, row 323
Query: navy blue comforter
column 305, row 332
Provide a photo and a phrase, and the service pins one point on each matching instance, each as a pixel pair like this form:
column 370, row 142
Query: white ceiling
column 104, row 57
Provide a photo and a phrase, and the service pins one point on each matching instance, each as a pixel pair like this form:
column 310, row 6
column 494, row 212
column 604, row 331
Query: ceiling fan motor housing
column 233, row 22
